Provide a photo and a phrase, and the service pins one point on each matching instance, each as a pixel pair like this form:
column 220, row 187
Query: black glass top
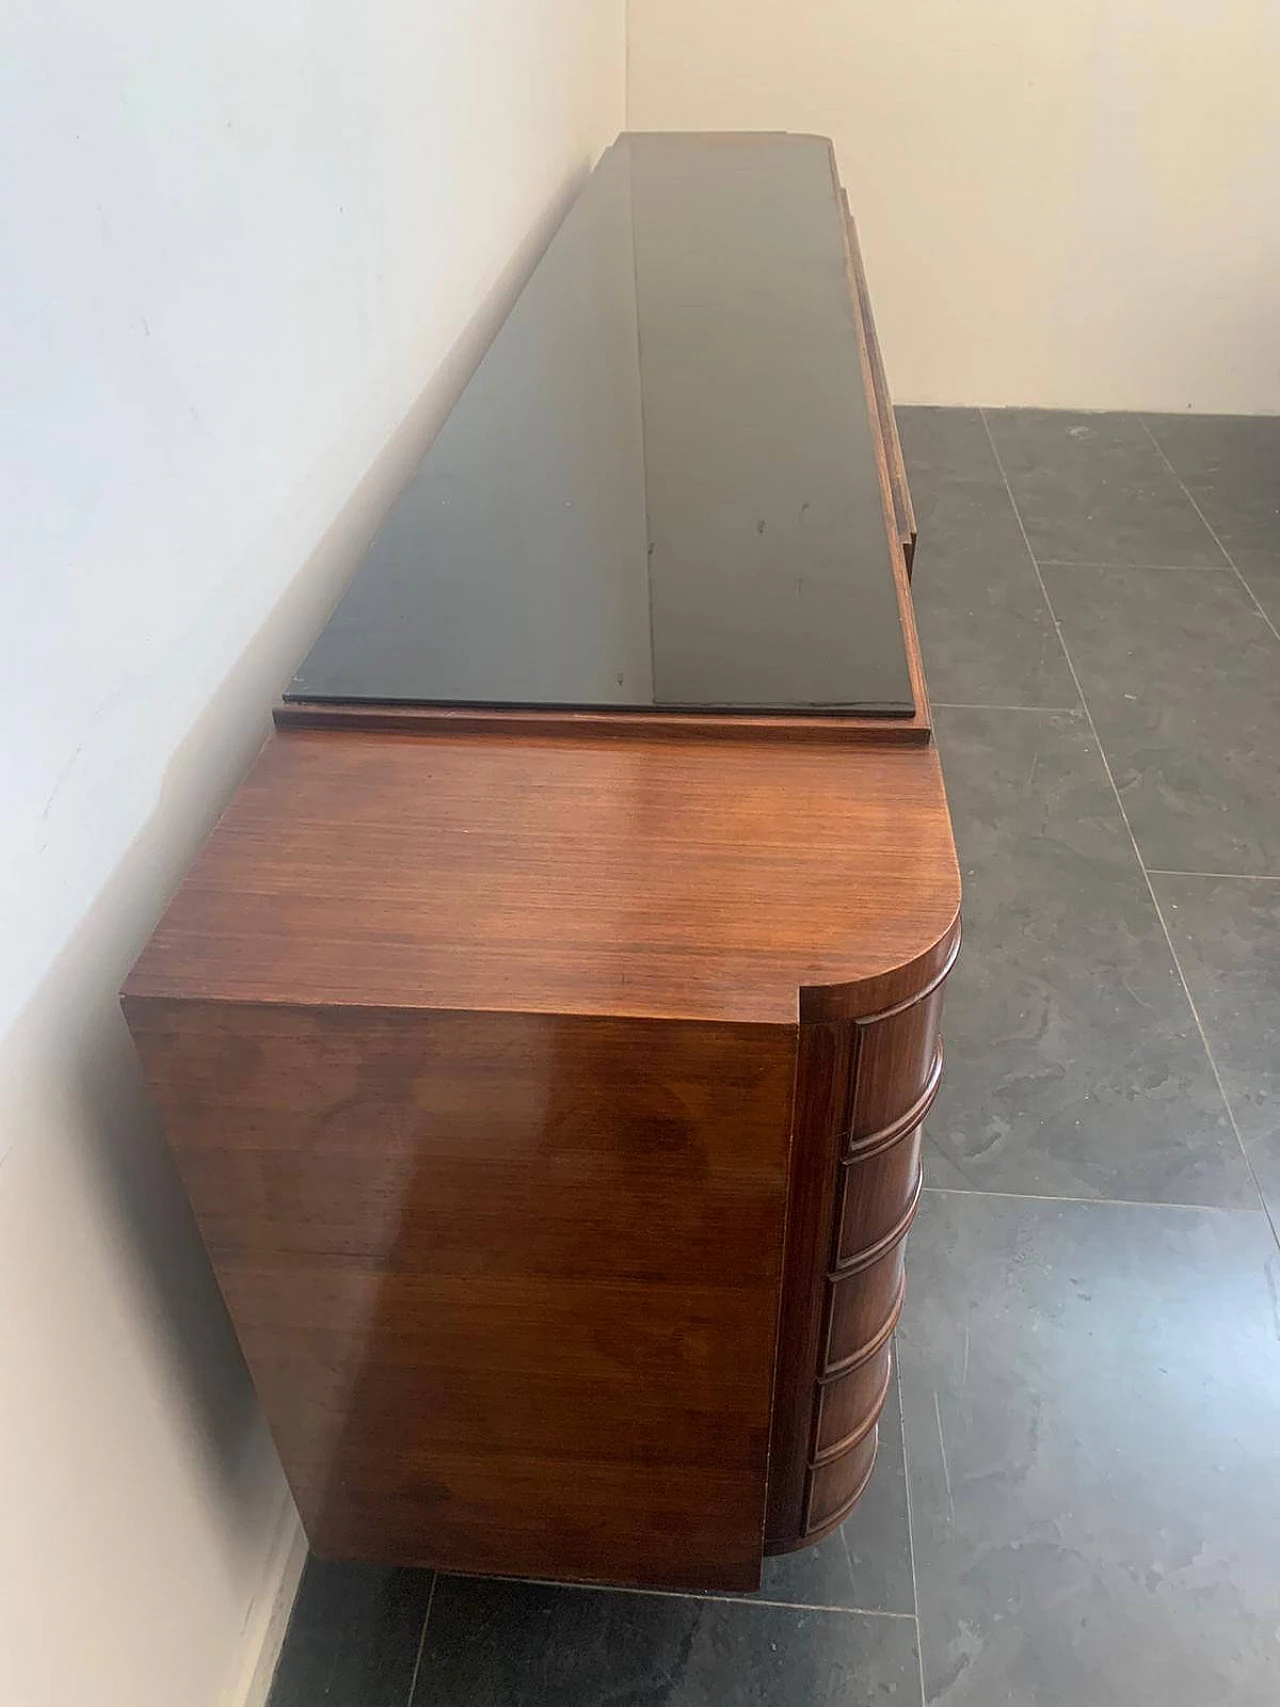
column 660, row 487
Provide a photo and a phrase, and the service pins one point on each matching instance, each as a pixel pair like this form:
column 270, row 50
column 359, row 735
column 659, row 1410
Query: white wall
column 247, row 253
column 1061, row 202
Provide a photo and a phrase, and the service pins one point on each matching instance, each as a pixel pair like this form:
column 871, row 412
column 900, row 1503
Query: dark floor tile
column 353, row 1637
column 1092, row 1396
column 1241, row 448
column 1226, row 931
column 945, row 444
column 495, row 1644
column 1231, row 466
column 1073, row 1064
column 985, row 629
column 1182, row 676
column 1261, row 573
column 867, row 1562
column 1094, row 489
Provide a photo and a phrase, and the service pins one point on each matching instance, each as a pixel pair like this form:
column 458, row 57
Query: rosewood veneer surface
column 548, row 1082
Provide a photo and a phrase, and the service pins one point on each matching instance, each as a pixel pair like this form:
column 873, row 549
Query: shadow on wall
column 67, row 1068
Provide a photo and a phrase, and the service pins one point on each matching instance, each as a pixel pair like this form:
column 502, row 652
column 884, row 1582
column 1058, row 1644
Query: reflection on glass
column 660, row 487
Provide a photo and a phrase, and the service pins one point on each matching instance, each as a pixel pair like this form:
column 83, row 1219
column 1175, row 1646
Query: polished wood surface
column 549, row 1088
column 507, row 1284
column 912, row 731
column 728, row 882
column 478, row 1054
column 863, row 1088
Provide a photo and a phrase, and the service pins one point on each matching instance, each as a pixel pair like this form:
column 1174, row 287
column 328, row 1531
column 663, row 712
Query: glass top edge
column 601, row 708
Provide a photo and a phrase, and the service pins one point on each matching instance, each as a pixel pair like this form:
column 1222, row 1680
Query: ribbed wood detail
column 872, row 1082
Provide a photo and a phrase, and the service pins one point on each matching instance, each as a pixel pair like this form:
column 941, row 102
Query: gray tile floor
column 1086, row 1507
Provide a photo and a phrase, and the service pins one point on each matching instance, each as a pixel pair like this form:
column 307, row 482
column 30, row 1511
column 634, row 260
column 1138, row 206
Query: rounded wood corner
column 880, row 993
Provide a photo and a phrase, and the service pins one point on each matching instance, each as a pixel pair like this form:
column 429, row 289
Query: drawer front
column 873, row 1081
column 834, row 1488
column 863, row 1310
column 877, row 1200
column 896, row 1059
column 848, row 1405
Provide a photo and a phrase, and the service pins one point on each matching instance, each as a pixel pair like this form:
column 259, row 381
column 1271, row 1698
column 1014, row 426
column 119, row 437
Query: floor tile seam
column 982, row 705
column 716, row 1599
column 1208, row 1049
column 422, row 1640
column 1213, row 532
column 1137, row 851
column 911, row 1533
column 1192, row 569
column 1256, row 601
column 1230, row 876
column 1182, row 487
column 1094, row 1202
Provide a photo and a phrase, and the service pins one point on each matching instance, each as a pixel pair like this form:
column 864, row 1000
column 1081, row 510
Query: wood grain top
column 713, row 880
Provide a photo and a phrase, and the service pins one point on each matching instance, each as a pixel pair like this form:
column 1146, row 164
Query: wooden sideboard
column 547, row 1071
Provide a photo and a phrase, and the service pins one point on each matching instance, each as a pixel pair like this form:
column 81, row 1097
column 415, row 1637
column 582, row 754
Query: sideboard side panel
column 508, row 1285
